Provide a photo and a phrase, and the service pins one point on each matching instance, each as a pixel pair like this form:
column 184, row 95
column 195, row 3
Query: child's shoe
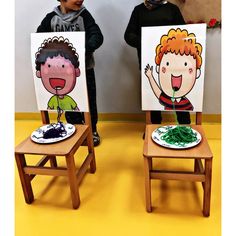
column 96, row 139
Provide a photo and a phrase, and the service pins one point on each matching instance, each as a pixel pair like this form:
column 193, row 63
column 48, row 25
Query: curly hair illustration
column 179, row 42
column 53, row 47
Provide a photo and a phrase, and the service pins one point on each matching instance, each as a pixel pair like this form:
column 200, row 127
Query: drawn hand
column 148, row 71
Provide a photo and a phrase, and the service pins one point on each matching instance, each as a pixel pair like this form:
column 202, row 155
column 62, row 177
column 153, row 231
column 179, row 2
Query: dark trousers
column 78, row 117
column 183, row 117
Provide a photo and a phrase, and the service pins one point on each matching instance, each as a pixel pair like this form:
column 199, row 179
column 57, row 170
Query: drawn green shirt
column 66, row 103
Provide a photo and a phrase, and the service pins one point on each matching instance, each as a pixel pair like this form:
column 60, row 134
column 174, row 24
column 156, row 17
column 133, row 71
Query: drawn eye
column 185, row 63
column 63, row 66
column 49, row 65
column 167, row 63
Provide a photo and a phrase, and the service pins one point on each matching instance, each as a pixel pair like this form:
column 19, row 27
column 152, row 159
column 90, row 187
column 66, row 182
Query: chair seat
column 62, row 148
column 152, row 150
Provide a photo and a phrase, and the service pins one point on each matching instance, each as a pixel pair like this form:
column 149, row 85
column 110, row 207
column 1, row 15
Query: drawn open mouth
column 176, row 82
column 57, row 83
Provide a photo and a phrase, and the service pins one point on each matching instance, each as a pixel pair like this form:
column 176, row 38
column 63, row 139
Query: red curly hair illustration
column 179, row 42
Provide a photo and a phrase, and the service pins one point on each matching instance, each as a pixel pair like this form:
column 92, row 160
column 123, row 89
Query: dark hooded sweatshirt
column 80, row 20
column 161, row 15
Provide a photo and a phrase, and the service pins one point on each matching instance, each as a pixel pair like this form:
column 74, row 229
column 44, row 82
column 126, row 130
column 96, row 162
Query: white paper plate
column 159, row 132
column 37, row 135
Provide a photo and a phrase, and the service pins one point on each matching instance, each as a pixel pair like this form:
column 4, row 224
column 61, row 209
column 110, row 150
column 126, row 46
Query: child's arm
column 132, row 33
column 45, row 25
column 155, row 88
column 93, row 34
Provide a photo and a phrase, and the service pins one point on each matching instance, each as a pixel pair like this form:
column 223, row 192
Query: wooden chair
column 51, row 152
column 201, row 172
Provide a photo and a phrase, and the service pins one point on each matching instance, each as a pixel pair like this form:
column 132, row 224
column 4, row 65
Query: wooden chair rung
column 177, row 175
column 36, row 170
column 43, row 161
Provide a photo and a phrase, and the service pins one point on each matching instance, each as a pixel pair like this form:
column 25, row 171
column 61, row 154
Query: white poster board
column 58, row 62
column 173, row 66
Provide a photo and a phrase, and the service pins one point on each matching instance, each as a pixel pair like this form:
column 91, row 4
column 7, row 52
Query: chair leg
column 53, row 161
column 207, row 187
column 147, row 164
column 93, row 165
column 195, row 166
column 73, row 181
column 91, row 150
column 24, row 178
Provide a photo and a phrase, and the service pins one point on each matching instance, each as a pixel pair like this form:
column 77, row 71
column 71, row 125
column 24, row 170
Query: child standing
column 154, row 13
column 71, row 15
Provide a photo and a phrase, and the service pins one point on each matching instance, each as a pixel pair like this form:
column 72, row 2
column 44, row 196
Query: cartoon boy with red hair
column 57, row 64
column 178, row 62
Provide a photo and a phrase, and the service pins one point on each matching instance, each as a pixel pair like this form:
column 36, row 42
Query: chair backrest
column 198, row 119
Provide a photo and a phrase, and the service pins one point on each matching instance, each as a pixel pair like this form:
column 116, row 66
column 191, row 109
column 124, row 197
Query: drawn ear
column 198, row 73
column 77, row 72
column 157, row 69
column 38, row 73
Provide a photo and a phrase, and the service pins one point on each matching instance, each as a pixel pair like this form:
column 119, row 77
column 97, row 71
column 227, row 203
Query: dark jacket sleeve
column 45, row 25
column 132, row 34
column 178, row 18
column 93, row 34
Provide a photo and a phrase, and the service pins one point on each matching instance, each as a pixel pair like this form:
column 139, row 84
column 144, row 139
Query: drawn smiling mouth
column 176, row 82
column 57, row 83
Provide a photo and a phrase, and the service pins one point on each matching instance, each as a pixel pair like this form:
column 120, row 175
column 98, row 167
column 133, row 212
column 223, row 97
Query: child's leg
column 73, row 117
column 91, row 84
column 156, row 117
column 183, row 117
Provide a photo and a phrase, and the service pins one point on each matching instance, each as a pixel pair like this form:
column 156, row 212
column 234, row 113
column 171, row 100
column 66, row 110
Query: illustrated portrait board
column 58, row 63
column 173, row 67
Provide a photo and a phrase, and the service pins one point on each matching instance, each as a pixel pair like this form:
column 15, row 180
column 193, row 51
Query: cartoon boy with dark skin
column 57, row 65
column 178, row 62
